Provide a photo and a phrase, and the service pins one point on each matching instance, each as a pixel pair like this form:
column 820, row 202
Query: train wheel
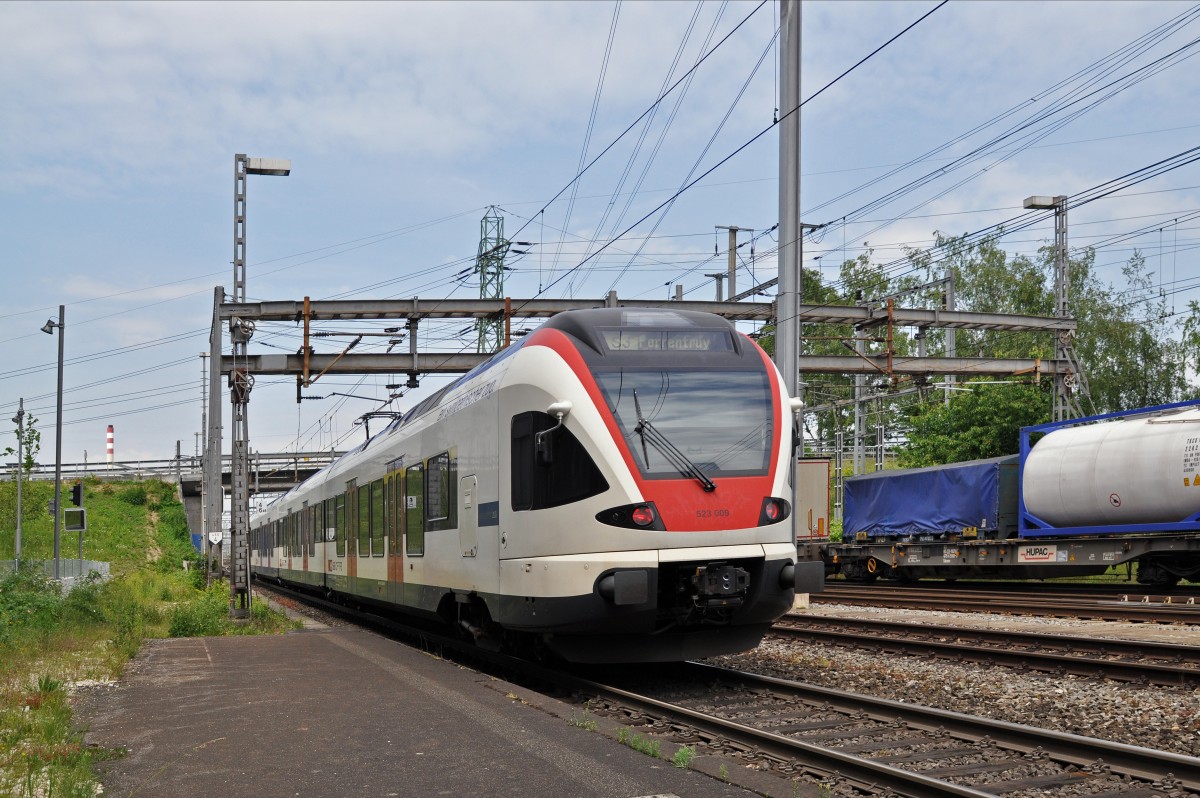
column 1154, row 575
column 861, row 572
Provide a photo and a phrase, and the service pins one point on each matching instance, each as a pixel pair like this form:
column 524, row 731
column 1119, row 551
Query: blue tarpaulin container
column 934, row 502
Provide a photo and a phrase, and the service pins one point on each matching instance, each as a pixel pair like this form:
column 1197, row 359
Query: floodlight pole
column 20, row 421
column 787, row 337
column 49, row 327
column 241, row 382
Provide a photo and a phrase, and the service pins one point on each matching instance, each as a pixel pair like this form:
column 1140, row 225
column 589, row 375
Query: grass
column 683, row 756
column 586, row 721
column 51, row 644
column 639, row 742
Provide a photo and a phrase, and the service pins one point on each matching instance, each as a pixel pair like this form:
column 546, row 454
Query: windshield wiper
column 667, row 449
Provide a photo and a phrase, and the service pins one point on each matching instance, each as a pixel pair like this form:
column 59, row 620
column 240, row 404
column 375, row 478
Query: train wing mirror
column 543, row 442
column 796, row 404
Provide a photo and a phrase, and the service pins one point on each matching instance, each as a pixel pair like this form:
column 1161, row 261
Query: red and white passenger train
column 614, row 488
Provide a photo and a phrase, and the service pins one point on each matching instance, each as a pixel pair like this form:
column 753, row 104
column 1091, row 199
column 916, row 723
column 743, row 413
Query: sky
column 405, row 122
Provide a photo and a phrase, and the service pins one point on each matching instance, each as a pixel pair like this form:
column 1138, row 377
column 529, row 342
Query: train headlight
column 774, row 510
column 643, row 515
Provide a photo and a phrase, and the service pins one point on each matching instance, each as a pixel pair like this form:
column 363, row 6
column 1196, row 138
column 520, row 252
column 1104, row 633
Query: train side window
column 572, row 475
column 414, row 510
column 377, row 518
column 440, row 495
column 339, row 523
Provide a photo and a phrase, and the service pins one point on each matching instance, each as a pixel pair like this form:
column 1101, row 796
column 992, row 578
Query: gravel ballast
column 1161, row 718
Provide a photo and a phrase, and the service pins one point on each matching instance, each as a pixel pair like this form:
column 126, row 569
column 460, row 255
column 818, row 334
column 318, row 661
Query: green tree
column 30, row 442
column 983, row 420
column 1129, row 345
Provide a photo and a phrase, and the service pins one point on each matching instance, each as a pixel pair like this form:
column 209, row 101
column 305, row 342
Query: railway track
column 856, row 744
column 1134, row 607
column 1143, row 662
column 813, row 741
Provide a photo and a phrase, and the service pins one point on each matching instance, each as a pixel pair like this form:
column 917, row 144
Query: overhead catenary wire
column 587, row 136
column 751, row 141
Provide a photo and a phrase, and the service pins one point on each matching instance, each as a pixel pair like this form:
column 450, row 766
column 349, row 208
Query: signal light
column 77, row 494
column 772, row 511
column 642, row 515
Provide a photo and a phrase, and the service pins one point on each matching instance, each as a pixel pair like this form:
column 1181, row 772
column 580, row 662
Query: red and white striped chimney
column 110, row 444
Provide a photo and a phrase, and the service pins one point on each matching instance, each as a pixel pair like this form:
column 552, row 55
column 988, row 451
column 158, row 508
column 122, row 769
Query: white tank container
column 1129, row 471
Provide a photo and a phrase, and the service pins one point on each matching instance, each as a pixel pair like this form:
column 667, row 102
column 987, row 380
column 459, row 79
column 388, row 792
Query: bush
column 134, row 494
column 28, row 601
column 203, row 616
column 83, row 603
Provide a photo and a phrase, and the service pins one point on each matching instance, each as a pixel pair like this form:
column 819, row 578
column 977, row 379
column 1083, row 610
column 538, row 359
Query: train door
column 336, row 578
column 414, row 530
column 322, row 558
column 394, row 513
column 316, row 535
column 352, row 535
column 468, row 516
column 306, row 530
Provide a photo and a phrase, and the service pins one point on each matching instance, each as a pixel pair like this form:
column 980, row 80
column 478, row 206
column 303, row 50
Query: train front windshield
column 719, row 420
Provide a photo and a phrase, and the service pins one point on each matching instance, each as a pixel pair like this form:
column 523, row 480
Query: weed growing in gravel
column 41, row 755
column 640, row 743
column 586, row 721
column 683, row 757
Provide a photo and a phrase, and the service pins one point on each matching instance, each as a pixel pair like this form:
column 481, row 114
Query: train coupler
column 719, row 586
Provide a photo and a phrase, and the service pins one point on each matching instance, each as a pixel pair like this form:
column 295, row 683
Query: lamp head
column 49, row 326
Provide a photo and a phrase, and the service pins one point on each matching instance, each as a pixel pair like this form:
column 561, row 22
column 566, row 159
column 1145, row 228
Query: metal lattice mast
column 241, row 382
column 489, row 265
column 1071, row 385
